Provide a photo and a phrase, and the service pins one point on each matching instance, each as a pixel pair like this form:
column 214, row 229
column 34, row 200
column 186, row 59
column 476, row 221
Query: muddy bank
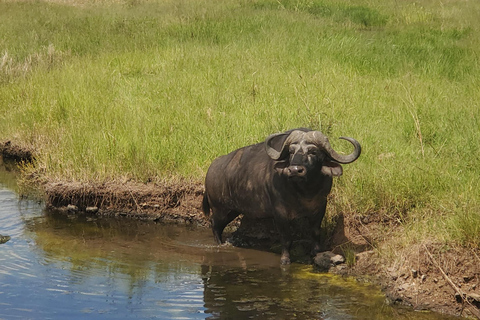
column 174, row 202
column 426, row 276
column 13, row 152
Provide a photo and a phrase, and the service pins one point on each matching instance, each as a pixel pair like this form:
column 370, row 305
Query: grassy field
column 153, row 89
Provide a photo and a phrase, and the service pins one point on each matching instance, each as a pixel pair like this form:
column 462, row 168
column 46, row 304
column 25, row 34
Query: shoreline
column 175, row 202
column 426, row 276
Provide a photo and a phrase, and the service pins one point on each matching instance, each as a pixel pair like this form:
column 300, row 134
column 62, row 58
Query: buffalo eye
column 312, row 152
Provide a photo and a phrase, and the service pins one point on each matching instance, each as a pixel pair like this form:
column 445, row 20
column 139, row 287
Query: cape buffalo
column 286, row 177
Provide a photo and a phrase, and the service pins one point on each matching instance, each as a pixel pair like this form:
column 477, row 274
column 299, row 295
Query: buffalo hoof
column 284, row 261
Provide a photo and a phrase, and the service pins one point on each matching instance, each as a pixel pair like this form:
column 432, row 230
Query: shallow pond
column 57, row 266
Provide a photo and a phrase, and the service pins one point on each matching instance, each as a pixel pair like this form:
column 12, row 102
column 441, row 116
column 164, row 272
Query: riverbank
column 426, row 276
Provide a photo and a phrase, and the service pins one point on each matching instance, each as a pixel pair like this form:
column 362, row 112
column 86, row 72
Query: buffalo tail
column 205, row 205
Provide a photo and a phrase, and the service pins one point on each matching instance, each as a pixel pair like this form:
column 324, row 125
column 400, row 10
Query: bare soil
column 426, row 276
column 12, row 151
column 175, row 202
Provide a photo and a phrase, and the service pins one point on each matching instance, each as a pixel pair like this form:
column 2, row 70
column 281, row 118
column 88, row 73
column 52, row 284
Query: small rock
column 337, row 259
column 4, row 239
column 322, row 260
column 341, row 267
column 91, row 209
column 72, row 207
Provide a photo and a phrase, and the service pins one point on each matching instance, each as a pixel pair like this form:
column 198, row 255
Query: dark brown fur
column 248, row 181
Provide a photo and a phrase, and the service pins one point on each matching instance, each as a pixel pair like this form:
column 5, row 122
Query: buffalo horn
column 323, row 141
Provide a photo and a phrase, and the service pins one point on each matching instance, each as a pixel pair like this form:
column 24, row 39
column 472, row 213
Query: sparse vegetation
column 147, row 90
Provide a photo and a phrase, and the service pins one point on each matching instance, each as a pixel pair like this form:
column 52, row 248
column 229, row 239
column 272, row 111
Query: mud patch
column 168, row 202
column 426, row 276
column 13, row 152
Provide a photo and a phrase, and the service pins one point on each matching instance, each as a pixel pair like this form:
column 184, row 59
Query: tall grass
column 149, row 89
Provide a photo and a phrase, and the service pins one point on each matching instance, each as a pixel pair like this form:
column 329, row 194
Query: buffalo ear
column 332, row 169
column 275, row 145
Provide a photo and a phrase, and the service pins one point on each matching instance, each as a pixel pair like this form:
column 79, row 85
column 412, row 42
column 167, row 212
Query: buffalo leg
column 316, row 223
column 219, row 221
column 284, row 230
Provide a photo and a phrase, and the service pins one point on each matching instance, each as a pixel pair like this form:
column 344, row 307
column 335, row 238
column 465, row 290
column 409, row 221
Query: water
column 58, row 266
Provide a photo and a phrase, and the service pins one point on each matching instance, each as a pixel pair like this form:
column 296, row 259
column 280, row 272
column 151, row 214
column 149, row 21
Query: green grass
column 147, row 90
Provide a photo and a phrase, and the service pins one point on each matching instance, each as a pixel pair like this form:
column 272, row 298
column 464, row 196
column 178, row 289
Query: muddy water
column 58, row 266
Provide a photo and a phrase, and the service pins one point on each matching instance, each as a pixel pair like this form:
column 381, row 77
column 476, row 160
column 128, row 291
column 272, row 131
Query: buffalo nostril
column 301, row 171
column 297, row 171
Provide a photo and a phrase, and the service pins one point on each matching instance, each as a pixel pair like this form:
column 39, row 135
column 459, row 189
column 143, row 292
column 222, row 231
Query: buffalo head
column 302, row 154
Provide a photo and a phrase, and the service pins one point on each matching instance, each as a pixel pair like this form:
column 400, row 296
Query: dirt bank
column 426, row 276
column 14, row 152
column 175, row 202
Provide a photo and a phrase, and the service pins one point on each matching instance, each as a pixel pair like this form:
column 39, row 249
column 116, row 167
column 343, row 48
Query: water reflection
column 58, row 266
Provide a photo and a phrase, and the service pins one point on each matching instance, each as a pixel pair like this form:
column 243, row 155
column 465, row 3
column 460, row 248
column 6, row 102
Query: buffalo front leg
column 284, row 230
column 316, row 223
column 286, row 245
